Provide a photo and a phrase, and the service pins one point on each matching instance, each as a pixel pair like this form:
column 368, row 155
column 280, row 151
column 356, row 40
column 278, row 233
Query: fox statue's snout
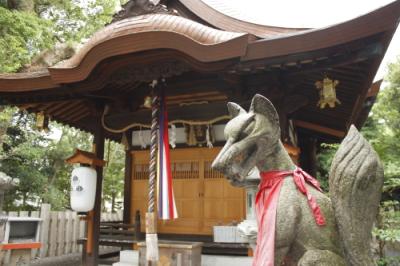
column 247, row 134
column 226, row 165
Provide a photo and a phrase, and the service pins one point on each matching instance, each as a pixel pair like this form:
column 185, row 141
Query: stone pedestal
column 248, row 228
column 20, row 257
column 174, row 253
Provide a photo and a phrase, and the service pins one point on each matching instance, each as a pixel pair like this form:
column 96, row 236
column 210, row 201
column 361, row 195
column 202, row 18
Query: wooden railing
column 60, row 230
column 116, row 231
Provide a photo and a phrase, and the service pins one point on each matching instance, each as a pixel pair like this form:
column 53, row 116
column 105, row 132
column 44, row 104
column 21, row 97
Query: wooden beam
column 26, row 106
column 76, row 109
column 308, row 155
column 320, row 60
column 318, row 128
column 191, row 112
column 374, row 89
column 79, row 116
column 59, row 108
column 92, row 258
column 128, row 180
column 368, row 81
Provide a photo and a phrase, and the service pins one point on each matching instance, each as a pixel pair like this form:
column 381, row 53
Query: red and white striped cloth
column 166, row 201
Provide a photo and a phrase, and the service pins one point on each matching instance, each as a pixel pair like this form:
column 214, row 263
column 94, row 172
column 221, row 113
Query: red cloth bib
column 266, row 206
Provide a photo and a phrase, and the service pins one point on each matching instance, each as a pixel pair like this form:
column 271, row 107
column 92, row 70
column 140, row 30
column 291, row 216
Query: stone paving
column 217, row 260
column 211, row 260
column 207, row 260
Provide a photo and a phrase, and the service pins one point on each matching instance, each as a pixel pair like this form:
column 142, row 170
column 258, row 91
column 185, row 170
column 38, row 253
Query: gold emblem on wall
column 327, row 92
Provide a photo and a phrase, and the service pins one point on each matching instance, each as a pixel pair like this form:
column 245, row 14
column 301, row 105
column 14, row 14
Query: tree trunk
column 21, row 5
column 24, row 200
column 113, row 202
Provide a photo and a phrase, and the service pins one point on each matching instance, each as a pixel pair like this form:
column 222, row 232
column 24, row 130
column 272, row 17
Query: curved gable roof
column 137, row 34
column 224, row 20
column 200, row 42
column 149, row 32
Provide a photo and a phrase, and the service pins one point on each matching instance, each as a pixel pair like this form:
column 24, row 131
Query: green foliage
column 57, row 188
column 37, row 159
column 388, row 229
column 383, row 131
column 76, row 20
column 22, row 160
column 324, row 161
column 113, row 184
column 389, row 261
column 383, row 127
column 22, row 35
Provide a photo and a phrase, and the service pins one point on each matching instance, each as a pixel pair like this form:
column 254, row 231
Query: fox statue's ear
column 234, row 109
column 262, row 105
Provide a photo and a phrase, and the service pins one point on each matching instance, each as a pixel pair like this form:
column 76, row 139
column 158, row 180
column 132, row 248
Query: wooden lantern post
column 95, row 160
column 127, row 217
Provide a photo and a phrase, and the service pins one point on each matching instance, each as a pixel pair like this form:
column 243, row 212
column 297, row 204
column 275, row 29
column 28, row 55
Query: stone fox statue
column 356, row 179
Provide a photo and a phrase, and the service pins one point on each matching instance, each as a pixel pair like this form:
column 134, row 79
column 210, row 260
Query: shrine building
column 320, row 81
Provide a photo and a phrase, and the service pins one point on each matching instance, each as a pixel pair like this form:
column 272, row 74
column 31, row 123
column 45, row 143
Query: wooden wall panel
column 204, row 198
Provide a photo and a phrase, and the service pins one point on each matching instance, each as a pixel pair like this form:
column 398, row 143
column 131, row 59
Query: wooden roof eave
column 151, row 32
column 21, row 82
column 138, row 34
column 204, row 44
column 384, row 19
column 226, row 22
column 366, row 106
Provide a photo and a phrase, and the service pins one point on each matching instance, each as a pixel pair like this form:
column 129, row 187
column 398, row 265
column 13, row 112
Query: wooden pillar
column 308, row 154
column 92, row 249
column 128, row 180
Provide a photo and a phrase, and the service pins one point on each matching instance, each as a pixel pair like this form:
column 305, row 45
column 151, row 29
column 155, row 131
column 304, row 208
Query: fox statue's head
column 250, row 137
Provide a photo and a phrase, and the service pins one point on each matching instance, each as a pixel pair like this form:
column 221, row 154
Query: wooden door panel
column 190, row 209
column 204, row 198
column 233, row 210
column 213, row 188
column 230, row 191
column 213, row 209
column 223, row 204
column 140, row 189
column 179, row 189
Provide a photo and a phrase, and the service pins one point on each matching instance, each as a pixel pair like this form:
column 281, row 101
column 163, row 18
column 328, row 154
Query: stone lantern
column 6, row 183
column 248, row 228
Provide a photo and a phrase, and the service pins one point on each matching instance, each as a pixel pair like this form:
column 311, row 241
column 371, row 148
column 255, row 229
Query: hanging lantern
column 327, row 92
column 124, row 141
column 42, row 121
column 147, row 102
column 83, row 188
column 84, row 180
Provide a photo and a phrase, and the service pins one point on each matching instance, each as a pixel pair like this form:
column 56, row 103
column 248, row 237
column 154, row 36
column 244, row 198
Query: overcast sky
column 310, row 14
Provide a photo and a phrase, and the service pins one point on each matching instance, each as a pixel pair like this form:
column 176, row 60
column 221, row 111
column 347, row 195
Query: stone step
column 124, row 264
column 128, row 256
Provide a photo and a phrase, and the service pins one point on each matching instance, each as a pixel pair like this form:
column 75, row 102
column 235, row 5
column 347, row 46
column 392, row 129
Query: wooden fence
column 59, row 231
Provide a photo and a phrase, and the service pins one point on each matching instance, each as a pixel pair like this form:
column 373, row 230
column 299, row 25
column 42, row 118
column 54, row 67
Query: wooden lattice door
column 203, row 197
column 223, row 203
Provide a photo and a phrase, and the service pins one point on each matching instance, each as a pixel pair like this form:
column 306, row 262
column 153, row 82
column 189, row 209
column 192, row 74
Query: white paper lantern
column 83, row 189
